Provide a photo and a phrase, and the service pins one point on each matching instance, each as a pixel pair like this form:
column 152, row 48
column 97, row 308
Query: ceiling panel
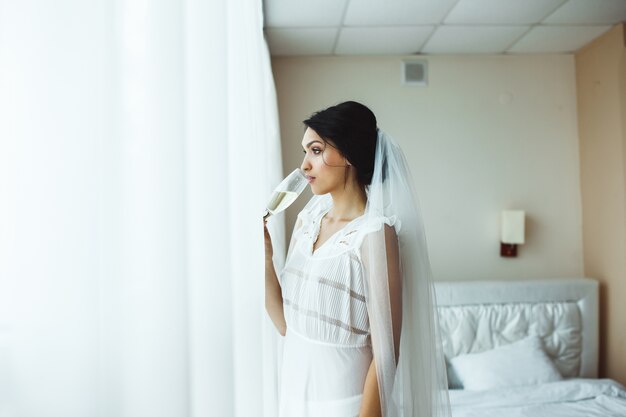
column 557, row 39
column 472, row 39
column 501, row 12
column 380, row 40
column 301, row 41
column 295, row 13
column 589, row 12
column 374, row 27
column 396, row 12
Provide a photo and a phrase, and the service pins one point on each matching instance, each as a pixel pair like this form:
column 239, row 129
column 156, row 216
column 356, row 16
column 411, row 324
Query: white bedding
column 568, row 398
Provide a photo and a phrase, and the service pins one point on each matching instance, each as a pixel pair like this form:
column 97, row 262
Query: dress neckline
column 318, row 227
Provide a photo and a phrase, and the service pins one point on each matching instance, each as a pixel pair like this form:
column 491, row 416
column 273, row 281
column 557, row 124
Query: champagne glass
column 286, row 192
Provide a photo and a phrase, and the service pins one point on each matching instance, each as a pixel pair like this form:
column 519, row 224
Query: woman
column 355, row 300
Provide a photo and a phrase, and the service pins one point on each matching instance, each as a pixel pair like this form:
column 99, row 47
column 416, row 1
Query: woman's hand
column 269, row 249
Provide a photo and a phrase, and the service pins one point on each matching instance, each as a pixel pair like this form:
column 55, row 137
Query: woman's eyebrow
column 308, row 145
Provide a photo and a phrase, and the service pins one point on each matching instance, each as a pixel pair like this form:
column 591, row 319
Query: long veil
column 412, row 380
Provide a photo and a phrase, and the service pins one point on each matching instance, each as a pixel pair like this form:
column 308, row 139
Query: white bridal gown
column 327, row 349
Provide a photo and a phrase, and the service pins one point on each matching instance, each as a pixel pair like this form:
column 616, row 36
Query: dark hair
column 351, row 127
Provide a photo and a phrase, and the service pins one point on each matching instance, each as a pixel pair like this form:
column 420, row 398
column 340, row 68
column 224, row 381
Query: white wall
column 488, row 133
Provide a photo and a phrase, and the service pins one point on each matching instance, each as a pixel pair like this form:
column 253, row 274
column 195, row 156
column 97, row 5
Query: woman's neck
column 348, row 204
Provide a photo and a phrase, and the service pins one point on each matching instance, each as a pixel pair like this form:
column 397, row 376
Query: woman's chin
column 317, row 191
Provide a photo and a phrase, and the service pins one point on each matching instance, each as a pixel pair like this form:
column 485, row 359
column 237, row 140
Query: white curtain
column 138, row 143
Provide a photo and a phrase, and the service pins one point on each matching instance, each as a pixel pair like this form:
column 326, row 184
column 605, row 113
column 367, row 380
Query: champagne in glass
column 286, row 192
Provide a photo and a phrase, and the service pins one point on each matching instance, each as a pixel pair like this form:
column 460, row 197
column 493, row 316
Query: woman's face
column 323, row 164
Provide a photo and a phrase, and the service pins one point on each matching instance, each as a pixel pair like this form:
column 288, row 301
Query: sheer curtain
column 138, row 143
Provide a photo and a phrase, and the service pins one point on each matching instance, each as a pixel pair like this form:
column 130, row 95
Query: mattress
column 576, row 397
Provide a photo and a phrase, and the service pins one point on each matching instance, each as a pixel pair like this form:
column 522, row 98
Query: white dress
column 327, row 348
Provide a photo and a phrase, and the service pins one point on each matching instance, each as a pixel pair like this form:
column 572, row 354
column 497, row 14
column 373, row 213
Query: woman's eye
column 315, row 151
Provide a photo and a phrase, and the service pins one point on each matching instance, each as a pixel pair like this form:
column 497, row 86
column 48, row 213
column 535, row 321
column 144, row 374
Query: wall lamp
column 512, row 232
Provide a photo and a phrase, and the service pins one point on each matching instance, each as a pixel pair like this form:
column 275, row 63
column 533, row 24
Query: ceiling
column 404, row 27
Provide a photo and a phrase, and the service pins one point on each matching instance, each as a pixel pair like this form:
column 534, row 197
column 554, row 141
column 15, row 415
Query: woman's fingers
column 268, row 239
column 265, row 231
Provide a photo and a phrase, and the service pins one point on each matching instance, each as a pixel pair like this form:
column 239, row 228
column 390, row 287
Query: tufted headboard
column 475, row 316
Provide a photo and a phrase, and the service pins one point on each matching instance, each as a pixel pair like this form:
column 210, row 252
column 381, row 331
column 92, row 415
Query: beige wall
column 487, row 134
column 601, row 85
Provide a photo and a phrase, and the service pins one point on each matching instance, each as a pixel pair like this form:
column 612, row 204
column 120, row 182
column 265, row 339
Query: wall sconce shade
column 512, row 232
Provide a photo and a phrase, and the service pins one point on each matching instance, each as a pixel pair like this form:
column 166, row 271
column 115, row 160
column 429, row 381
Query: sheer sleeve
column 293, row 241
column 294, row 235
column 380, row 257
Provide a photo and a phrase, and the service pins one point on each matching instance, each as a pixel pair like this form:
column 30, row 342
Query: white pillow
column 520, row 363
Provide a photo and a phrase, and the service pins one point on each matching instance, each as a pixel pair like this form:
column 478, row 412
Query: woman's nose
column 305, row 165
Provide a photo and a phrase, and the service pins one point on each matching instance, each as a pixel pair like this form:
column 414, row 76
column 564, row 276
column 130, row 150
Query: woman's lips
column 310, row 179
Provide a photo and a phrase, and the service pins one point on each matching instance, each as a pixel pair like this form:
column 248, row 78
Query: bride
column 355, row 301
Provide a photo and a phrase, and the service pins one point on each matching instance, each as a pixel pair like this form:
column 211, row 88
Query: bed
column 525, row 348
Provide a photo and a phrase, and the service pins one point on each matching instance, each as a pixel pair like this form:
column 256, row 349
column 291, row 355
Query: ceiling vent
column 415, row 72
